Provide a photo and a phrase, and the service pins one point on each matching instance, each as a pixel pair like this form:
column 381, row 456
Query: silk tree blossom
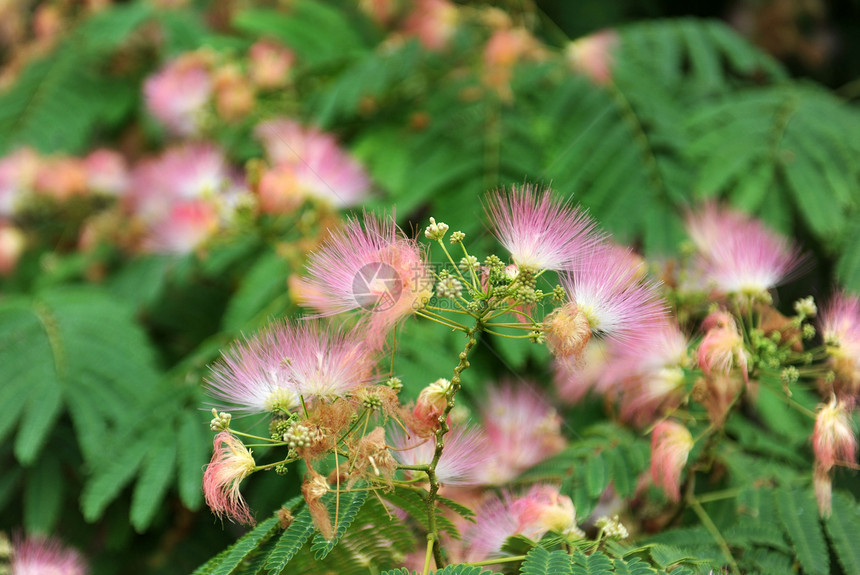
column 522, row 429
column 38, row 555
column 430, row 405
column 107, row 172
column 738, row 254
column 540, row 510
column 373, row 268
column 592, row 56
column 574, row 377
column 432, row 22
column 231, row 463
column 723, row 347
column 608, row 298
column 270, row 64
column 272, row 370
column 671, row 444
column 177, row 95
column 309, row 164
column 649, row 377
column 17, row 176
column 540, row 231
column 12, row 245
column 839, row 323
column 833, row 438
column 465, row 452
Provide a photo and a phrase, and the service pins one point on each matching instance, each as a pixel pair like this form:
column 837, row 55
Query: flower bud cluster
column 436, row 231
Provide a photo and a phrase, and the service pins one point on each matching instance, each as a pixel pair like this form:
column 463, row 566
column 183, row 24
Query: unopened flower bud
column 806, row 307
column 808, row 331
column 220, row 421
column 457, row 237
column 467, row 263
column 449, row 288
column 612, row 528
column 394, row 383
column 436, row 231
column 789, row 375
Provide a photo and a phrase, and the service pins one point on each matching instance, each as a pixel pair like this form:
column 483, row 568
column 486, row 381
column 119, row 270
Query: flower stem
column 715, row 533
column 431, row 539
column 497, row 560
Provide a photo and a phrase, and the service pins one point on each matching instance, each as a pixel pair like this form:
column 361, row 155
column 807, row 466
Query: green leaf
column 43, row 496
column 109, row 481
column 843, row 529
column 633, row 566
column 848, row 265
column 231, row 558
column 350, row 504
column 155, row 478
column 798, row 514
column 539, row 561
column 596, row 476
column 595, row 564
column 462, row 570
column 266, row 279
column 192, row 440
column 290, row 542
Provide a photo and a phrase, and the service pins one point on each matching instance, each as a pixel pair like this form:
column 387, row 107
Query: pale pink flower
column 592, row 56
column 60, row 177
column 833, row 438
column 40, row 555
column 544, row 509
column 738, row 254
column 270, row 371
column 177, row 94
column 234, row 94
column 433, row 22
column 649, row 377
column 839, row 323
column 373, row 268
column 12, row 244
column 540, row 231
column 270, row 64
column 495, row 521
column 822, row 484
column 107, row 172
column 671, row 444
column 723, row 348
column 574, row 377
column 609, row 299
column 465, row 452
column 231, row 463
column 429, row 406
column 320, row 168
column 185, row 227
column 17, row 176
column 522, row 429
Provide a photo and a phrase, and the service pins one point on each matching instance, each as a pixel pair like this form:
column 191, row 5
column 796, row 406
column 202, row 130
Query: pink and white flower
column 319, row 167
column 839, row 323
column 231, row 463
column 833, row 439
column 540, row 231
column 40, row 555
column 671, row 444
column 107, row 172
column 17, row 177
column 272, row 370
column 270, row 64
column 433, row 22
column 522, row 429
column 609, row 299
column 373, row 268
column 464, row 454
column 592, row 55
column 177, row 95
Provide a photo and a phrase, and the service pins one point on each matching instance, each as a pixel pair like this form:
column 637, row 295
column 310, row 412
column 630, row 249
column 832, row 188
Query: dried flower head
column 671, row 444
column 231, row 463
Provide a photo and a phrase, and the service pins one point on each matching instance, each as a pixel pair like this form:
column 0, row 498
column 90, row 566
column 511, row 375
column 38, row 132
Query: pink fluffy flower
column 649, row 377
column 177, row 94
column 433, row 22
column 231, row 463
column 107, row 172
column 12, row 244
column 270, row 64
column 592, row 56
column 833, row 438
column 574, row 377
column 45, row 556
column 17, row 176
column 522, row 429
column 373, row 268
column 184, row 228
column 540, row 510
column 60, row 177
column 270, row 371
column 671, row 444
column 465, row 452
column 320, row 169
column 738, row 254
column 840, row 327
column 608, row 298
column 540, row 231
column 723, row 348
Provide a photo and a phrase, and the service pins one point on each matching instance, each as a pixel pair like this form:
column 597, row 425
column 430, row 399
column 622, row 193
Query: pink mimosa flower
column 187, row 226
column 375, row 269
column 270, row 64
column 723, row 346
column 60, row 177
column 840, row 328
column 45, row 556
column 17, row 176
column 522, row 429
column 833, row 438
column 574, row 377
column 433, row 22
column 592, row 55
column 464, row 453
column 231, row 463
column 739, row 255
column 540, row 231
column 320, row 168
column 12, row 244
column 671, row 444
column 270, row 371
column 608, row 298
column 177, row 94
column 107, row 172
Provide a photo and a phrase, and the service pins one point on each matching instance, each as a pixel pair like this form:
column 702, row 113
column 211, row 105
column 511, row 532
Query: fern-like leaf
column 225, row 562
column 155, row 478
column 633, row 566
column 290, row 542
column 595, row 564
column 843, row 529
column 350, row 505
column 798, row 515
column 539, row 561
